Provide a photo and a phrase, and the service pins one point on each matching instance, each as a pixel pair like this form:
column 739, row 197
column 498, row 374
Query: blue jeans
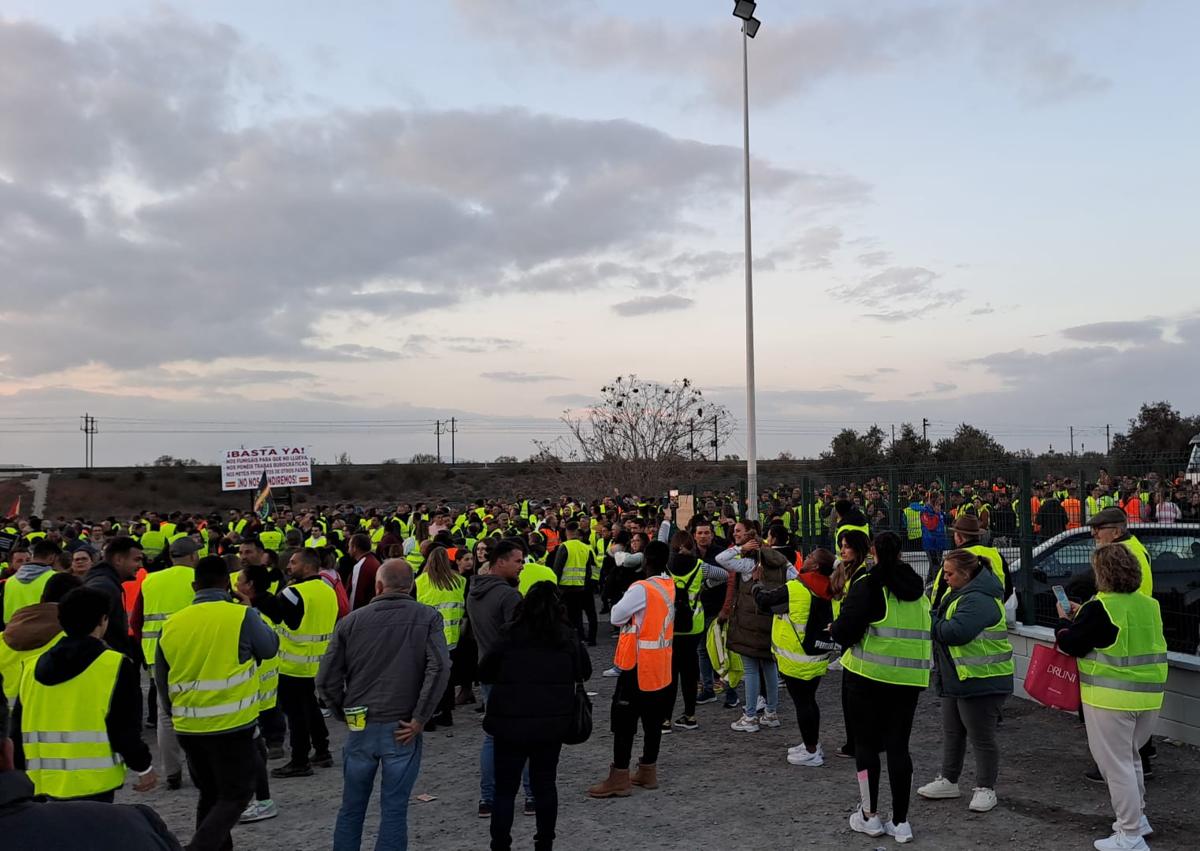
column 487, row 763
column 362, row 754
column 770, row 673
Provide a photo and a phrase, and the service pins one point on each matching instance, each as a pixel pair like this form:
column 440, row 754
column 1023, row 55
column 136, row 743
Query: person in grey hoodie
column 491, row 604
column 25, row 586
column 969, row 622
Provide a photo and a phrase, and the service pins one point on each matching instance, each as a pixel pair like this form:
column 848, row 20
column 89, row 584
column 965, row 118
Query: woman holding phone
column 1117, row 636
column 973, row 675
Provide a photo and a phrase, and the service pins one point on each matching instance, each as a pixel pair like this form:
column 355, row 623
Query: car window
column 1068, row 559
column 1170, row 551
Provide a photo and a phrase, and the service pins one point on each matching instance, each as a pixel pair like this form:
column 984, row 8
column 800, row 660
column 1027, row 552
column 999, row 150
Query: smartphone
column 1063, row 601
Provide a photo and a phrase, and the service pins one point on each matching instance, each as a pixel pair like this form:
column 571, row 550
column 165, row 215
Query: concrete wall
column 1180, row 717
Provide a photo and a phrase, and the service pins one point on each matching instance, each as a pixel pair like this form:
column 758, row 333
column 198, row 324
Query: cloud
column 1013, row 39
column 936, row 388
column 873, row 376
column 899, row 293
column 512, row 377
column 816, row 245
column 643, row 305
column 164, row 188
column 796, row 55
column 874, row 258
column 1129, row 331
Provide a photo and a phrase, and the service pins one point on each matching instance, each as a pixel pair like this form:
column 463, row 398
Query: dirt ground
column 721, row 789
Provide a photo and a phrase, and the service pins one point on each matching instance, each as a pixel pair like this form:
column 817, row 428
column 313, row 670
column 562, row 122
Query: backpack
column 335, row 582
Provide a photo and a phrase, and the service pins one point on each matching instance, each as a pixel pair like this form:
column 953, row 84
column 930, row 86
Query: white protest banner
column 286, row 467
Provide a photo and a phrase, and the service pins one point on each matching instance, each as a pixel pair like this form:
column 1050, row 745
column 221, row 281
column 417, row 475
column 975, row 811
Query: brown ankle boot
column 646, row 776
column 616, row 786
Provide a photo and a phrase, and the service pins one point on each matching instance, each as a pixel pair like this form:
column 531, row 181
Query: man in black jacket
column 81, row 614
column 50, row 825
column 122, row 560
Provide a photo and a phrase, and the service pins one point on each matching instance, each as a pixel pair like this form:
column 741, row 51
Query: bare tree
column 644, row 421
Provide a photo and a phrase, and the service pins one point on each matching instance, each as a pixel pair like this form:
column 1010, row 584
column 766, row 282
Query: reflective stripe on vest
column 575, row 571
column 691, row 585
column 300, row 650
column 896, row 649
column 648, row 648
column 787, row 636
column 211, row 691
column 1131, row 673
column 164, row 593
column 988, row 654
column 450, row 604
column 65, row 731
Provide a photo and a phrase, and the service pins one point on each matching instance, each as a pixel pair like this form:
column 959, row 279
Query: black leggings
column 543, row 765
column 685, row 669
column 846, row 718
column 882, row 714
column 808, row 713
column 630, row 705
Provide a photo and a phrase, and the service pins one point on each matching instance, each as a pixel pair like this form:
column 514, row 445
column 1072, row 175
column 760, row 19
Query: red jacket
column 364, row 591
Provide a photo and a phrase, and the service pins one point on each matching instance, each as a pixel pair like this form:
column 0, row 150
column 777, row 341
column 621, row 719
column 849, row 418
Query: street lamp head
column 750, row 26
column 744, row 9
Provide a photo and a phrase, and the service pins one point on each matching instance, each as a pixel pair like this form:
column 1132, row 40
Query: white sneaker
column 1144, row 828
column 802, row 748
column 815, row 759
column 870, row 826
column 745, row 724
column 1121, row 842
column 611, row 672
column 902, row 832
column 939, row 788
column 769, row 719
column 259, row 811
column 983, row 800
column 761, row 705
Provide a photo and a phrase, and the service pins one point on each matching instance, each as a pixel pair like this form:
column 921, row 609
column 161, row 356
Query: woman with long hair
column 532, row 672
column 854, row 549
column 485, row 549
column 443, row 588
column 884, row 623
column 801, row 646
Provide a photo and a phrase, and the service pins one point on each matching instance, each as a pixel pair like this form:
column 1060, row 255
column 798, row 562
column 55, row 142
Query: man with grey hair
column 385, row 698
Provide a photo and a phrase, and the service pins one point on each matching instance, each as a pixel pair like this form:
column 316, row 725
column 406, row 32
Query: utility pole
column 924, row 428
column 716, row 448
column 1072, row 441
column 87, row 425
column 453, row 431
column 438, row 431
column 893, row 434
column 1108, row 440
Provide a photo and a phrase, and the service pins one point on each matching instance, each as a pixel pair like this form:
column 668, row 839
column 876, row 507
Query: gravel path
column 720, row 789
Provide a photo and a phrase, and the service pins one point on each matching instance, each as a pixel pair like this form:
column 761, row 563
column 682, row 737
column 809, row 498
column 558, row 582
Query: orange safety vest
column 133, row 588
column 648, row 649
column 1071, row 506
column 1133, row 509
column 551, row 539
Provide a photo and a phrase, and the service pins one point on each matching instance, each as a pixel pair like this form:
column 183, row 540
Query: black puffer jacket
column 533, row 684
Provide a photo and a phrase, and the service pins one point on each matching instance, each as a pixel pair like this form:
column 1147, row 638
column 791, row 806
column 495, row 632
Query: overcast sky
column 377, row 214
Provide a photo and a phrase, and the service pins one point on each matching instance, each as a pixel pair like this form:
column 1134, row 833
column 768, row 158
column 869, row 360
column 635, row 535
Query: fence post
column 893, row 506
column 802, row 526
column 1025, row 530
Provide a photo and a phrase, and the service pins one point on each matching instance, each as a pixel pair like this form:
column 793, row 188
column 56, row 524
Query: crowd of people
column 256, row 631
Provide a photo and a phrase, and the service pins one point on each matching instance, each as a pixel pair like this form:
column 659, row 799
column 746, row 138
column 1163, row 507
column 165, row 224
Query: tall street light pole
column 744, row 9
